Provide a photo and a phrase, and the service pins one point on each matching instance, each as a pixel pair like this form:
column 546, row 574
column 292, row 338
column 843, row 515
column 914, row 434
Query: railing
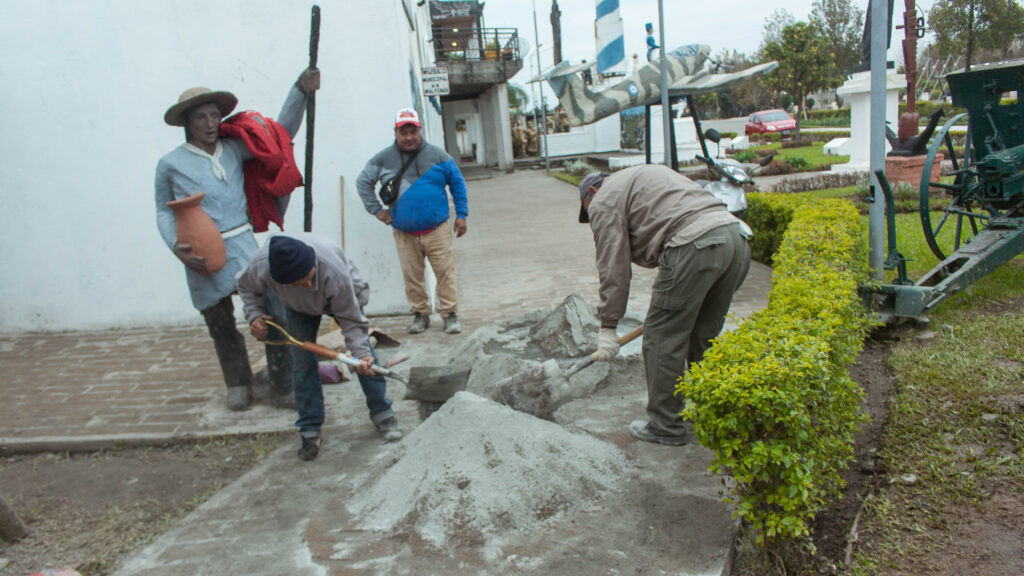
column 495, row 44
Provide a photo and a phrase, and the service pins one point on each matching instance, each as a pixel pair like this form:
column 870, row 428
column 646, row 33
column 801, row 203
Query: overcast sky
column 725, row 24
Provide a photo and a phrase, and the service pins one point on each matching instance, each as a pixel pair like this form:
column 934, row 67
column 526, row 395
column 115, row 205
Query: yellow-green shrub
column 769, row 216
column 773, row 399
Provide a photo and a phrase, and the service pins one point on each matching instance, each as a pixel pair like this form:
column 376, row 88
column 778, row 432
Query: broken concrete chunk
column 568, row 331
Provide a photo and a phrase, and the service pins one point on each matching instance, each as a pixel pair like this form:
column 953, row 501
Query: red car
column 770, row 122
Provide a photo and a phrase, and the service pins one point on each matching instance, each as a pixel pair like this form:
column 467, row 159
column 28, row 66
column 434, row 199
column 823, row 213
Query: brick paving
column 65, row 390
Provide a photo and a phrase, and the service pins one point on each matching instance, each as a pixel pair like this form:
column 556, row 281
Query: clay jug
column 197, row 229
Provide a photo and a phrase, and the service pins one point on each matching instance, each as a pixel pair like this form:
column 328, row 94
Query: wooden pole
column 314, row 46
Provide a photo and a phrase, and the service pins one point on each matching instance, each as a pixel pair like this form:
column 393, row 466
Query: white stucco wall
column 601, row 136
column 86, row 84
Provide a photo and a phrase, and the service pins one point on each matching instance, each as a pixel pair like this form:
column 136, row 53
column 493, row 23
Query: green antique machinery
column 985, row 212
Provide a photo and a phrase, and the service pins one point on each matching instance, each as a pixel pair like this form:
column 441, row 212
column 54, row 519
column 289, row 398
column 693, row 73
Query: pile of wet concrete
column 490, row 463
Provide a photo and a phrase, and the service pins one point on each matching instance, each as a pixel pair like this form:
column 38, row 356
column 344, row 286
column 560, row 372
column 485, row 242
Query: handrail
column 474, row 44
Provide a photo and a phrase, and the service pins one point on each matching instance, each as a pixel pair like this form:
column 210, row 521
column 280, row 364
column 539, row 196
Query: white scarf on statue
column 218, row 169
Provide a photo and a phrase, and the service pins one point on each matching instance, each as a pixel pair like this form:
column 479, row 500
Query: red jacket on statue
column 271, row 172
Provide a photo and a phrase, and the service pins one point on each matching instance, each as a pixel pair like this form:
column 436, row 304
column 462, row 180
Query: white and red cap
column 407, row 116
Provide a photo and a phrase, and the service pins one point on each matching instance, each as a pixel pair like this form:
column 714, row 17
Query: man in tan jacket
column 652, row 216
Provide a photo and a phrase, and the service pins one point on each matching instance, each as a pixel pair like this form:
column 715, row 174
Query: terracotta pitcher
column 197, row 229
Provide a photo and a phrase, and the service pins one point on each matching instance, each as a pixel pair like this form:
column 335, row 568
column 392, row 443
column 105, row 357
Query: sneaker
column 388, row 430
column 451, row 324
column 310, row 447
column 420, row 322
column 238, row 398
column 648, row 433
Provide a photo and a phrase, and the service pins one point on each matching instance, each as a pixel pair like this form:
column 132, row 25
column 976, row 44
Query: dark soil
column 835, row 528
column 86, row 511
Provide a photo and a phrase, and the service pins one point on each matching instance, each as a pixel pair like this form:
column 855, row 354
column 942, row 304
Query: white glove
column 607, row 344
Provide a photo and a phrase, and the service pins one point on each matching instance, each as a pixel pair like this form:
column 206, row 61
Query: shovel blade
column 436, row 383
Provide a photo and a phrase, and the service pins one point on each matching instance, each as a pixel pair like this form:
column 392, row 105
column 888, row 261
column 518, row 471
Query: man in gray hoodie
column 312, row 277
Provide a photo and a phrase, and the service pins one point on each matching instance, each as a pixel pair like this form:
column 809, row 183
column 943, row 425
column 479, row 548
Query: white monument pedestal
column 857, row 91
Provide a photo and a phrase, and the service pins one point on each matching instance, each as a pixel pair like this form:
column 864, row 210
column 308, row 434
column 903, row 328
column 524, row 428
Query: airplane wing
column 561, row 69
column 696, row 84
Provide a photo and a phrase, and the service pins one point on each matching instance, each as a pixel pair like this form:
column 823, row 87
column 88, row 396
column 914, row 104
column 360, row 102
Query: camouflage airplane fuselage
column 585, row 105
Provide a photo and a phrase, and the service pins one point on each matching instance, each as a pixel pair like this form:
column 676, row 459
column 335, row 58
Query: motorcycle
column 730, row 177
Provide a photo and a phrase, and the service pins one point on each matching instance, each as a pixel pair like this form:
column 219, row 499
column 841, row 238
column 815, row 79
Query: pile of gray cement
column 521, row 362
column 476, row 472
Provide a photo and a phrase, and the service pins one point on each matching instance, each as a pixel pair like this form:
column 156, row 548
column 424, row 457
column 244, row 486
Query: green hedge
column 769, row 216
column 773, row 399
column 828, row 113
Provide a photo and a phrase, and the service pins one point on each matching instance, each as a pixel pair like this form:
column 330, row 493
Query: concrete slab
column 524, row 252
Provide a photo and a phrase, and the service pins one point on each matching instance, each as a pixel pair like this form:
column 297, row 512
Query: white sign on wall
column 435, row 81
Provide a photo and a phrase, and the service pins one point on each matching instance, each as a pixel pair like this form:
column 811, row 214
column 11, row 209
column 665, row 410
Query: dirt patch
column 834, row 527
column 86, row 511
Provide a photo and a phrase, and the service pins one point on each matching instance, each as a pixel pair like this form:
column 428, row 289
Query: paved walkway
column 86, row 390
column 524, row 251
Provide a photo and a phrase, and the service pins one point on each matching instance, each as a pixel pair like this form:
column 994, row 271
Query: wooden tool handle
column 320, row 350
column 631, row 335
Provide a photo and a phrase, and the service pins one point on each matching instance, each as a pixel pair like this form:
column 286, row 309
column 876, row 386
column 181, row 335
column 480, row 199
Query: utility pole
column 543, row 106
column 666, row 110
column 876, row 210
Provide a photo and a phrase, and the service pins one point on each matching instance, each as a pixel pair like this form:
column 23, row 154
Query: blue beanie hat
column 290, row 259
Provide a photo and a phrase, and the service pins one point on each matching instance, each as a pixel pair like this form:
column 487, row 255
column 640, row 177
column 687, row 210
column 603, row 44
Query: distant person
column 207, row 162
column 651, row 44
column 313, row 277
column 422, row 176
column 652, row 216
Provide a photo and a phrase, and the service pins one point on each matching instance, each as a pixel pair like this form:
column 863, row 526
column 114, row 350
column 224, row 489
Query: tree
column 773, row 26
column 805, row 63
column 965, row 27
column 517, row 97
column 743, row 97
column 842, row 24
column 1004, row 22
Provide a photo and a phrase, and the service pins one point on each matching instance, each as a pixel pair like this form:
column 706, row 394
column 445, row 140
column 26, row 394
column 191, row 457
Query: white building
column 85, row 87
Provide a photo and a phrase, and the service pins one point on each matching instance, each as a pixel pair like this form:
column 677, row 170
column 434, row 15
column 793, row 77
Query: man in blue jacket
column 418, row 173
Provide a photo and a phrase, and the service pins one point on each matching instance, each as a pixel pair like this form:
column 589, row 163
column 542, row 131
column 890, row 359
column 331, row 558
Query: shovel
column 432, row 386
column 529, row 391
column 325, row 352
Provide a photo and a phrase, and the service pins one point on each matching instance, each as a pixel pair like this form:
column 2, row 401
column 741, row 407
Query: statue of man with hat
column 212, row 163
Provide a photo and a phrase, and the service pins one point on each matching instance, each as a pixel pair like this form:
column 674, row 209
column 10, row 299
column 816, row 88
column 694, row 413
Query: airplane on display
column 690, row 73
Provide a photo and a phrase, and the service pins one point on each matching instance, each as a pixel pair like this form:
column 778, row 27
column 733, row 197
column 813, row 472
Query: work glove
column 607, row 344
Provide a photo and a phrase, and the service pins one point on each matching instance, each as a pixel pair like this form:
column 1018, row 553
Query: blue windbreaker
column 422, row 199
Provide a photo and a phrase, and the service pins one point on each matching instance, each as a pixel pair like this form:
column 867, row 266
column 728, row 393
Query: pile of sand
column 477, row 470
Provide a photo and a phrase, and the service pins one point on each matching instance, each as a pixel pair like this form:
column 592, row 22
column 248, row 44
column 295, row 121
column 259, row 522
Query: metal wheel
column 962, row 192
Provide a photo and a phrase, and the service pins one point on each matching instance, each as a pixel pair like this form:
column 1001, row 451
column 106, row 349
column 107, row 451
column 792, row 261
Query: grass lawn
column 813, row 154
column 951, row 483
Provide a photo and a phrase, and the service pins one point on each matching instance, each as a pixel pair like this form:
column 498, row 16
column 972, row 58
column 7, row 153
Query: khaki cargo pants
column 437, row 247
column 689, row 301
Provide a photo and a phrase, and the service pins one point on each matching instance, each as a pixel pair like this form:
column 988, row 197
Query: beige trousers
column 437, row 247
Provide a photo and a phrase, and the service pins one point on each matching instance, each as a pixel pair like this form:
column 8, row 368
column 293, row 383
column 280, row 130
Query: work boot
column 238, row 398
column 451, row 324
column 648, row 433
column 310, row 447
column 388, row 430
column 420, row 322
